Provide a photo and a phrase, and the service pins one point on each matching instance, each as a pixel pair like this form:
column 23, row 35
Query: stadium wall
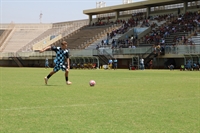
column 123, row 63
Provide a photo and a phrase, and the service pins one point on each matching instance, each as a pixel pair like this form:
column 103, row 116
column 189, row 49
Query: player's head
column 64, row 44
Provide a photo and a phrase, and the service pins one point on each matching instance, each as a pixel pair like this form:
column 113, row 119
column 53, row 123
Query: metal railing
column 177, row 50
column 27, row 26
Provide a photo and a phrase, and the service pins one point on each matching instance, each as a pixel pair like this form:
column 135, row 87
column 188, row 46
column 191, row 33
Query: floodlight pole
column 100, row 4
column 126, row 1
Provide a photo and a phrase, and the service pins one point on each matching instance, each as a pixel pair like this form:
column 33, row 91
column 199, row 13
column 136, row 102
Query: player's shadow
column 46, row 85
column 51, row 85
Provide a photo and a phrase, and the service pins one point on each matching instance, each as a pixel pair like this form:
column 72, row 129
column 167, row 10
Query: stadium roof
column 132, row 6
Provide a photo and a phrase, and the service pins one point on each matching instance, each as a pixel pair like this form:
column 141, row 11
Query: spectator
column 46, row 63
column 189, row 65
column 97, row 47
column 142, row 64
column 110, row 63
column 195, row 33
column 171, row 67
column 113, row 43
column 115, row 63
column 150, row 64
column 102, row 42
column 182, row 68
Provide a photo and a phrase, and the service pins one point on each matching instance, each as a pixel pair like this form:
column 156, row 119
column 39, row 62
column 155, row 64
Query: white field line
column 94, row 104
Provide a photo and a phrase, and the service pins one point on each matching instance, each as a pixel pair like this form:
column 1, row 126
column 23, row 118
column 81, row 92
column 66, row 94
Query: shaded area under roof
column 132, row 6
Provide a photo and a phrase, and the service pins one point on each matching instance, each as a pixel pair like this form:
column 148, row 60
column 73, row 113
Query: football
column 92, row 83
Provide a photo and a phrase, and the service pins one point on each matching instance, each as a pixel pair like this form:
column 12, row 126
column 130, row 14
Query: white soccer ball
column 92, row 83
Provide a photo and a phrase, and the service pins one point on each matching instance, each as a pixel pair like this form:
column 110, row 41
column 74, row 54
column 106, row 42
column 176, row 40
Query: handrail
column 147, row 52
column 108, row 55
column 27, row 26
column 40, row 45
column 175, row 51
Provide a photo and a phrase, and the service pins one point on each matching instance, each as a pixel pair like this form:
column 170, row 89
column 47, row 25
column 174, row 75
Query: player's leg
column 64, row 68
column 66, row 77
column 115, row 66
column 56, row 68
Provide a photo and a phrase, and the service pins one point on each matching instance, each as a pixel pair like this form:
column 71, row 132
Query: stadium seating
column 28, row 47
column 85, row 34
column 20, row 38
column 53, row 34
column 196, row 39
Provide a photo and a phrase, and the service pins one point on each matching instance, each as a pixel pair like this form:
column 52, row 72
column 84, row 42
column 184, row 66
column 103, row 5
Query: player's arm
column 44, row 49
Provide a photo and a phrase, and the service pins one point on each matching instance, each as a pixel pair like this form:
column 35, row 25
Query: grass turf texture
column 122, row 101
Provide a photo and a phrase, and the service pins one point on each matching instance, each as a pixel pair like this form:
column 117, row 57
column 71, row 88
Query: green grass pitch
column 122, row 101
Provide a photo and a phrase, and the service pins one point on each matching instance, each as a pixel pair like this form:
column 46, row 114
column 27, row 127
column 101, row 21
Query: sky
column 28, row 11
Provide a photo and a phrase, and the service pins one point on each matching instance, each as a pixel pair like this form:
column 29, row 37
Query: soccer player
column 46, row 63
column 142, row 64
column 62, row 56
column 110, row 61
column 115, row 63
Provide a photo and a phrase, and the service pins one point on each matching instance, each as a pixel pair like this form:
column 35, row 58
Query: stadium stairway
column 148, row 56
column 3, row 36
column 196, row 39
column 104, row 56
column 1, row 32
column 169, row 40
column 17, row 59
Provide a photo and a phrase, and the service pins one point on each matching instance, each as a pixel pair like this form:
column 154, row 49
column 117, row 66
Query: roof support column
column 185, row 6
column 116, row 15
column 90, row 19
column 148, row 11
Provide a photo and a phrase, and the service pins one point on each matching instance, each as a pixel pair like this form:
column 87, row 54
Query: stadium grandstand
column 167, row 32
